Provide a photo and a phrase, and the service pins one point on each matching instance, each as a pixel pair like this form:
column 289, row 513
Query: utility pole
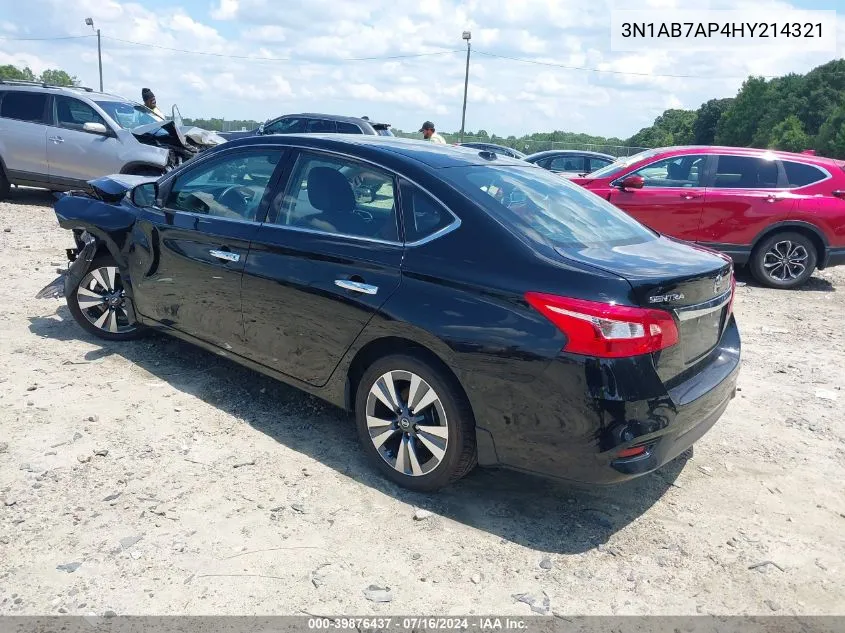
column 90, row 22
column 466, row 35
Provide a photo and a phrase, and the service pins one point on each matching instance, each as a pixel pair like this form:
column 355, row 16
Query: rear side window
column 598, row 163
column 347, row 128
column 23, row 106
column 801, row 174
column 424, row 216
column 745, row 172
column 544, row 207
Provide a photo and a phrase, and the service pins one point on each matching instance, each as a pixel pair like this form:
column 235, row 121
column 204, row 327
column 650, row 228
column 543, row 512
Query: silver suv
column 59, row 138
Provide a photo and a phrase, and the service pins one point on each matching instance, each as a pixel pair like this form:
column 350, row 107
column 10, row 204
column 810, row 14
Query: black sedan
column 311, row 123
column 570, row 163
column 467, row 308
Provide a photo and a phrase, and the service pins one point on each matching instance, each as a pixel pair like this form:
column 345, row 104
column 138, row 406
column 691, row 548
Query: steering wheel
column 237, row 198
column 364, row 215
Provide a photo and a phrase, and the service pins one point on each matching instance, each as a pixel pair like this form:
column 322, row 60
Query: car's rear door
column 186, row 258
column 746, row 195
column 672, row 198
column 325, row 260
column 23, row 135
column 74, row 155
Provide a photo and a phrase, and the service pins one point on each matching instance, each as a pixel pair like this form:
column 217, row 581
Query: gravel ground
column 155, row 478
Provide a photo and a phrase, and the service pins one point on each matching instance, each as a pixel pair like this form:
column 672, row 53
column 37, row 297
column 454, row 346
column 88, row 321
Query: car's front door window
column 336, row 195
column 73, row 114
column 678, row 171
column 292, row 125
column 231, row 187
column 573, row 164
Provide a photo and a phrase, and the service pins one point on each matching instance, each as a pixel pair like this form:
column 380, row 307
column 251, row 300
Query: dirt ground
column 155, row 478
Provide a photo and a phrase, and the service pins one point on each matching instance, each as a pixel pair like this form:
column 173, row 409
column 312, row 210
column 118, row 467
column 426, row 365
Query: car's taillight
column 733, row 294
column 606, row 330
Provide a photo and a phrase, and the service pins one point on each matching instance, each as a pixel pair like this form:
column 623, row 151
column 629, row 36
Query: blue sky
column 319, row 38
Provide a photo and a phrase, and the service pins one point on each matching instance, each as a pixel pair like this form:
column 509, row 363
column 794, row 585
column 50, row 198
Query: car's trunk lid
column 691, row 282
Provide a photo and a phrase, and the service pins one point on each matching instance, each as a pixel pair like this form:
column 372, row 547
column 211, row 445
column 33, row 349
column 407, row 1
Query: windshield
column 622, row 163
column 128, row 115
column 547, row 208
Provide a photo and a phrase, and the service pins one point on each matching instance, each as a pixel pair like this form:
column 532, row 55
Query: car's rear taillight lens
column 606, row 330
column 733, row 294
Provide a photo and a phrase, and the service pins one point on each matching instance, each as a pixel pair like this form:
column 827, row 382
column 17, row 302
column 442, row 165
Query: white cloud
column 321, row 36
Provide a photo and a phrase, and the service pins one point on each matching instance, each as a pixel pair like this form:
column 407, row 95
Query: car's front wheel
column 415, row 423
column 98, row 303
column 784, row 260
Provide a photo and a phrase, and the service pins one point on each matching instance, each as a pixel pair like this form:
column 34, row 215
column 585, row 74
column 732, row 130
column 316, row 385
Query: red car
column 782, row 214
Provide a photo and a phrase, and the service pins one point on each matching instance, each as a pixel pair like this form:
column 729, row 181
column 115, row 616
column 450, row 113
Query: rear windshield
column 622, row 163
column 544, row 207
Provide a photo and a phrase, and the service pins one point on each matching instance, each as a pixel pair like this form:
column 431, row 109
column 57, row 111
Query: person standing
column 429, row 133
column 150, row 101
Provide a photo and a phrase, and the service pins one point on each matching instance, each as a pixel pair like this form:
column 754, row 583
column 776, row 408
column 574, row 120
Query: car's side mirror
column 632, row 182
column 145, row 195
column 95, row 128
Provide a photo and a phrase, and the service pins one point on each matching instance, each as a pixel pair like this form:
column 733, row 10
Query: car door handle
column 57, row 139
column 356, row 286
column 773, row 198
column 690, row 196
column 225, row 255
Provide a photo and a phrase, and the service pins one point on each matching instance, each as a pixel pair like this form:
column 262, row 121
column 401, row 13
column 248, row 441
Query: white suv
column 59, row 138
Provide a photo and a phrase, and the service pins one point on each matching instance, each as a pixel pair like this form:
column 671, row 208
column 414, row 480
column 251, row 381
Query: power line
column 278, row 59
column 612, row 72
column 46, row 39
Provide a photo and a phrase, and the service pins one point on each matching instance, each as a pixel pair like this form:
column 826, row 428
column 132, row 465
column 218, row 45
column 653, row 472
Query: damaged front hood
column 185, row 137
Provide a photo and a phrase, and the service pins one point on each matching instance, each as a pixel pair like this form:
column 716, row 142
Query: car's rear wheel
column 98, row 303
column 784, row 260
column 415, row 423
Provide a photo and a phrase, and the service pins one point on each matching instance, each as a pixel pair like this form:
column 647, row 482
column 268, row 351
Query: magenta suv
column 782, row 214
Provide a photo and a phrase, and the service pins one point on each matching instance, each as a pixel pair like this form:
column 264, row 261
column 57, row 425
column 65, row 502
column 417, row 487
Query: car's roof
column 75, row 91
column 568, row 152
column 330, row 117
column 743, row 151
column 431, row 154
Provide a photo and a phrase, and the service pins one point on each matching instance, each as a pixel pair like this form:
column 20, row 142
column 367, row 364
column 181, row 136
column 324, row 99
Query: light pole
column 466, row 35
column 90, row 22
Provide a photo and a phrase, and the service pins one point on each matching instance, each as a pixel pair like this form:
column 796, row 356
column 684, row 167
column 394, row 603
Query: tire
column 87, row 311
column 447, row 420
column 5, row 187
column 767, row 262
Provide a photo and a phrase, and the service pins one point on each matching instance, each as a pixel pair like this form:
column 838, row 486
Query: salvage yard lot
column 155, row 478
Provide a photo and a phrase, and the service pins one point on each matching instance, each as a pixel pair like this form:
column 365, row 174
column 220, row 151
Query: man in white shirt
column 429, row 134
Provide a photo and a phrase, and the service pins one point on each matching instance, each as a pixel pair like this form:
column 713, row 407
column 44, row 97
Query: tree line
column 794, row 113
column 54, row 77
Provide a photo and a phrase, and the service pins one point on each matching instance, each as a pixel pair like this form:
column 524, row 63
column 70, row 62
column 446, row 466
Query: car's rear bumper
column 566, row 432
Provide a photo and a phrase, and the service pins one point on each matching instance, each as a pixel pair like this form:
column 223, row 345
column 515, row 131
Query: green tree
column 738, row 124
column 824, row 89
column 13, row 72
column 56, row 77
column 831, row 139
column 652, row 136
column 789, row 135
column 707, row 118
